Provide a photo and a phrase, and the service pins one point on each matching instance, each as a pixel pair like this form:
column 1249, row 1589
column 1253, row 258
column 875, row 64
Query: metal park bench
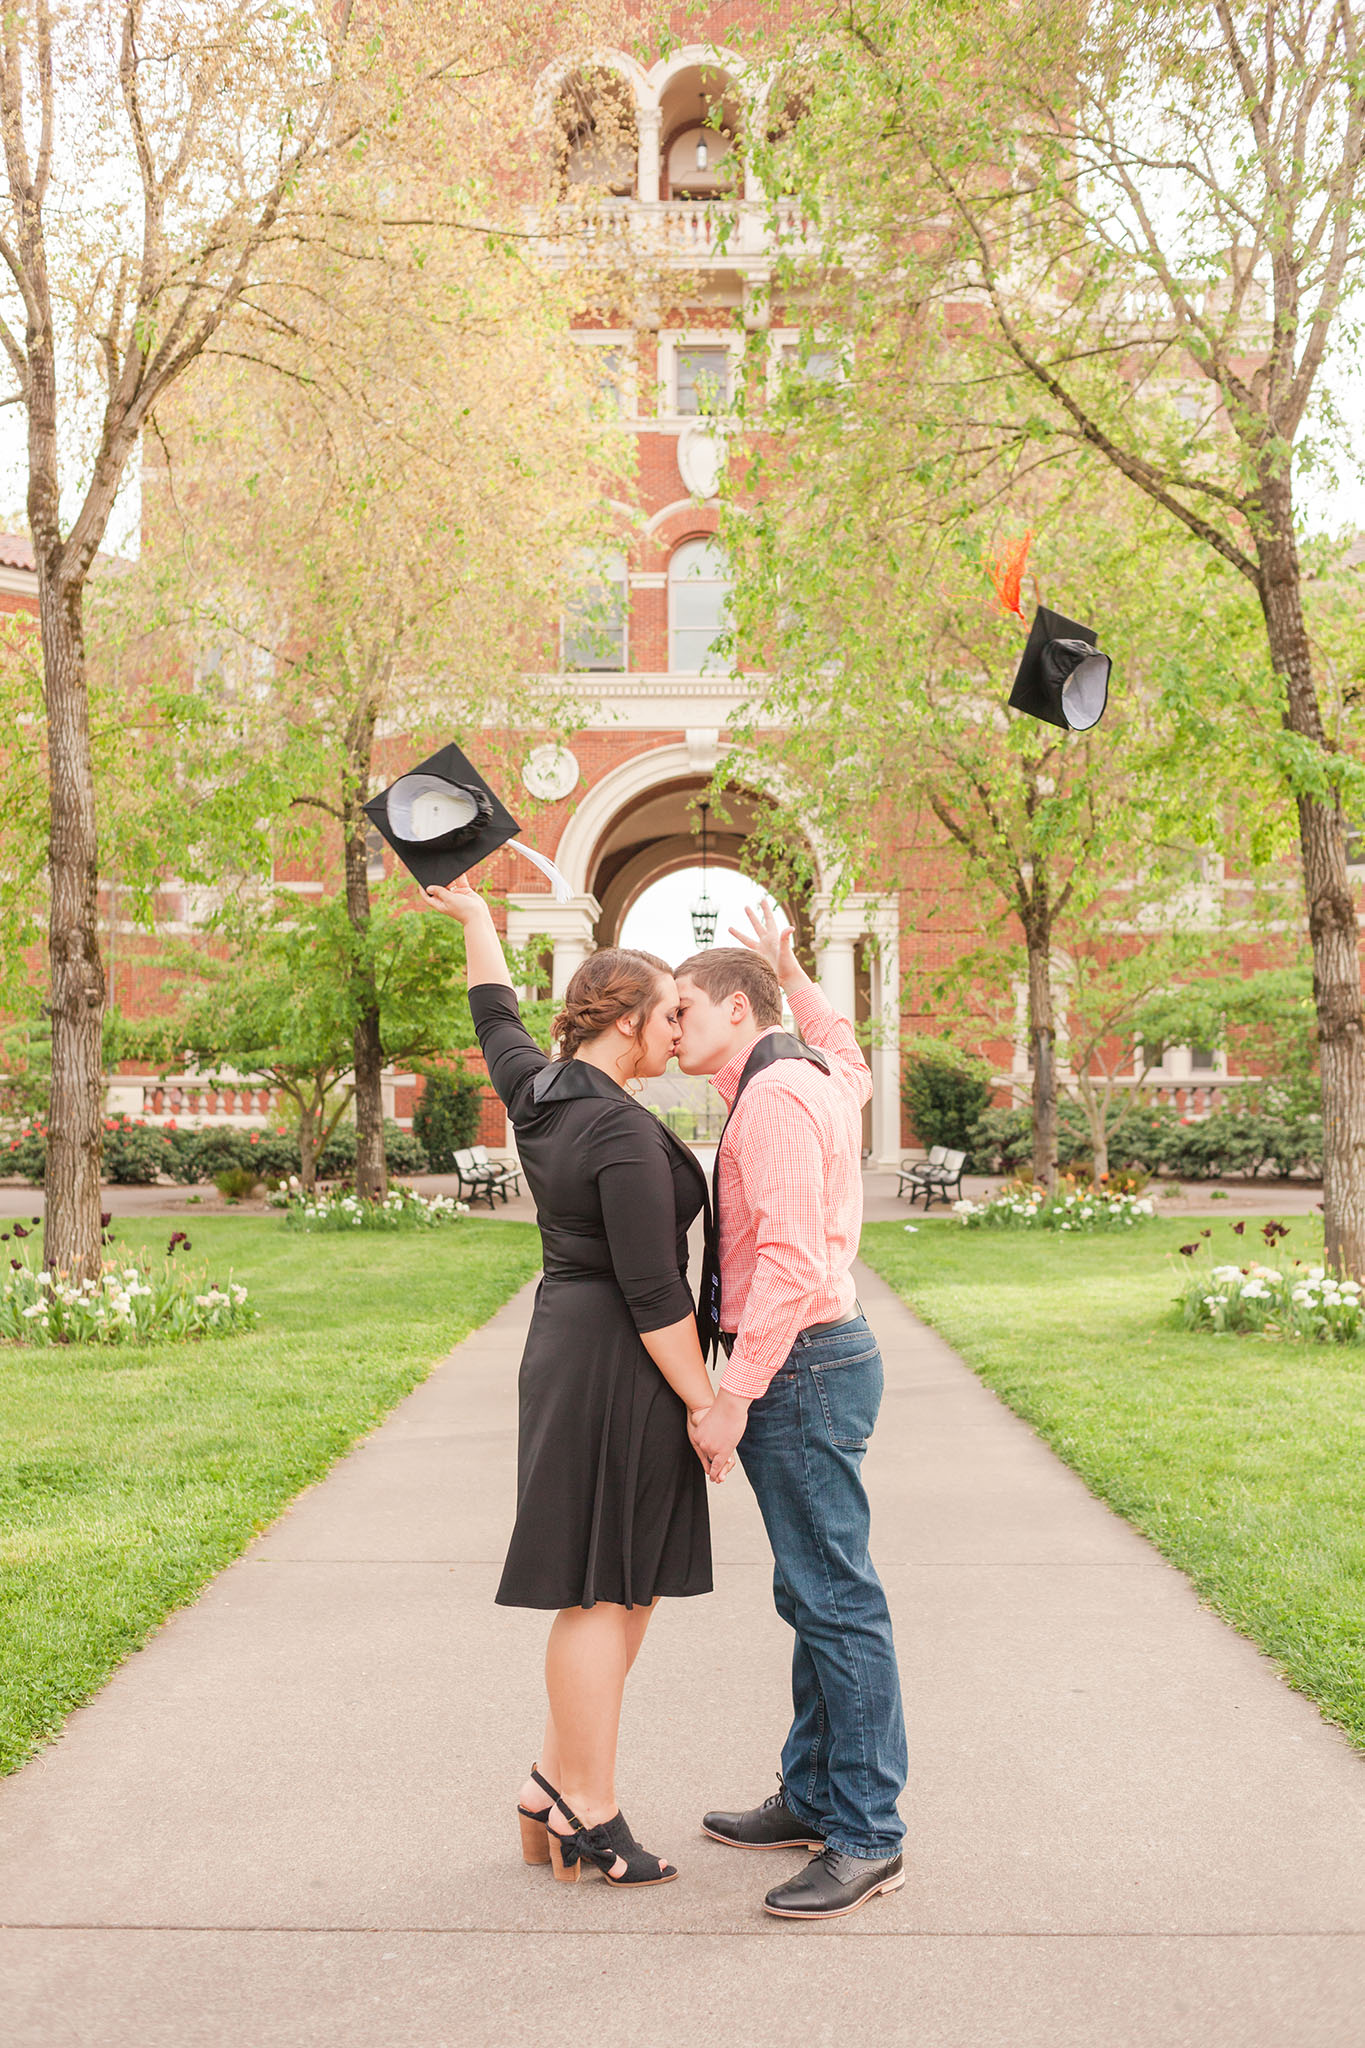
column 940, row 1174
column 483, row 1178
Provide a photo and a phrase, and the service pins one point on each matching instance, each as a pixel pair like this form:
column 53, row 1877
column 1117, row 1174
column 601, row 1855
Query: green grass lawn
column 129, row 1477
column 1242, row 1458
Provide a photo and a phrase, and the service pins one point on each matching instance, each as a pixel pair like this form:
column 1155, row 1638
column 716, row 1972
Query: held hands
column 716, row 1430
column 773, row 943
column 455, row 899
column 717, row 1469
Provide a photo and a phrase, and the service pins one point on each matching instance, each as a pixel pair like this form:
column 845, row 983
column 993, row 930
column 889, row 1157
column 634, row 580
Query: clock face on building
column 550, row 773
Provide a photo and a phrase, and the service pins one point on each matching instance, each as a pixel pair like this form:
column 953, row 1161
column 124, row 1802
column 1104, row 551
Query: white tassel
column 563, row 893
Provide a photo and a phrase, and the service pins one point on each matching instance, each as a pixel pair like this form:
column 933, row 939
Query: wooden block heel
column 565, row 1873
column 535, row 1837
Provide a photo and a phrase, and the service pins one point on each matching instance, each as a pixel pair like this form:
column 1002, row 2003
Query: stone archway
column 636, row 823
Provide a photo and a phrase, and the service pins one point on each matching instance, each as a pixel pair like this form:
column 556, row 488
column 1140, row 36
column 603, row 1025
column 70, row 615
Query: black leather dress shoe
column 770, row 1826
column 833, row 1884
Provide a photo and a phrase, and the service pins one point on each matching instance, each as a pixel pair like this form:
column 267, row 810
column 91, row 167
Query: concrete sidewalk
column 288, row 1822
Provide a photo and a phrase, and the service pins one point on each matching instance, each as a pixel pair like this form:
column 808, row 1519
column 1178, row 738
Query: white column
column 570, row 927
column 886, row 1050
column 836, row 973
column 647, row 122
column 837, row 932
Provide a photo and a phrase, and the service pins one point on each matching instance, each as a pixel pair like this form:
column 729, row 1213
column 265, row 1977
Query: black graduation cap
column 442, row 819
column 1063, row 677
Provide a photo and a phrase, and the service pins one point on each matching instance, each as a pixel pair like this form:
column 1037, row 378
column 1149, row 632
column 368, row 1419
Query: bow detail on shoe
column 596, row 1844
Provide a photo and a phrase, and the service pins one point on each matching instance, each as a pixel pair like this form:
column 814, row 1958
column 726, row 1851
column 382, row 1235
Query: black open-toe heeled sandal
column 603, row 1845
column 535, row 1827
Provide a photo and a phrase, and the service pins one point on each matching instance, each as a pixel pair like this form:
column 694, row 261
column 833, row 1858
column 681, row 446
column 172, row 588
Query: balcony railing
column 192, row 1099
column 677, row 231
column 1194, row 1096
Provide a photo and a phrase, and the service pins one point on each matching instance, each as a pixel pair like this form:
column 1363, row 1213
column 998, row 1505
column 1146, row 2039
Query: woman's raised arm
column 483, row 954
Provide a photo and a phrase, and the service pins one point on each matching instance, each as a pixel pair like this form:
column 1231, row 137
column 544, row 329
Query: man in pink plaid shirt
column 798, row 1398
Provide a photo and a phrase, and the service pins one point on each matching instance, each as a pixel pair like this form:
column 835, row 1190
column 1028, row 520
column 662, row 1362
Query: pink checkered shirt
column 791, row 1194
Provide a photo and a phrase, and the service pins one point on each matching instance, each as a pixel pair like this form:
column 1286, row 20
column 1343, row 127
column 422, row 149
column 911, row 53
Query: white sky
column 658, row 921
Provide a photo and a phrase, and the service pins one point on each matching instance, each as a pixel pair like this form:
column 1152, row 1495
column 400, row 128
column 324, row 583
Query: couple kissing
column 620, row 1428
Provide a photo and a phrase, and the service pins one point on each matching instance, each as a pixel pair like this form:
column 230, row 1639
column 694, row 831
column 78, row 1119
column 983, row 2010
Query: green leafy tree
column 395, row 566
column 170, row 175
column 864, row 594
column 286, row 1006
column 1135, row 232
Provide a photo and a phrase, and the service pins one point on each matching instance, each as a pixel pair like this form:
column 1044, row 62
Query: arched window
column 595, row 617
column 596, row 143
column 698, row 607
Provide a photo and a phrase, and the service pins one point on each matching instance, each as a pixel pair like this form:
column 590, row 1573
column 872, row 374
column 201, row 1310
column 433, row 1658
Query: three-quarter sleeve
column 635, row 1186
column 514, row 1059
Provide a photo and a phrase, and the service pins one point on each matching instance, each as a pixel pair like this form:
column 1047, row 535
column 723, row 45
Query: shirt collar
column 726, row 1082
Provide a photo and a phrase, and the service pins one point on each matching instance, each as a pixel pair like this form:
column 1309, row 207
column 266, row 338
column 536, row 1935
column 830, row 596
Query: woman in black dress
column 611, row 1496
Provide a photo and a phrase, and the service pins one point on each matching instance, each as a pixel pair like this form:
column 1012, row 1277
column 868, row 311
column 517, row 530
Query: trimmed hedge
column 136, row 1153
column 1158, row 1140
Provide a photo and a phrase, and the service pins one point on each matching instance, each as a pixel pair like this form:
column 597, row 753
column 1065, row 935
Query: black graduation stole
column 778, row 1045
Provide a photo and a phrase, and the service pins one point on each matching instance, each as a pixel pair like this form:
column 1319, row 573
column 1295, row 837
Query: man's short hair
column 724, row 971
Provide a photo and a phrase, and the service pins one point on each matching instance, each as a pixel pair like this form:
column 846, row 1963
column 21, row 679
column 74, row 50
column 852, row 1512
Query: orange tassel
column 1007, row 573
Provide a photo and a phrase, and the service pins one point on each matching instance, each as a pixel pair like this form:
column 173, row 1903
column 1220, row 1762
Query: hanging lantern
column 704, row 912
column 703, row 154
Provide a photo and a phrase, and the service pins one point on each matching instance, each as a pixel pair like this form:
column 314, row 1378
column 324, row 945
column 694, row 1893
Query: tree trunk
column 371, row 1172
column 1332, row 926
column 1042, row 1035
column 310, row 1123
column 71, row 1242
column 1099, row 1145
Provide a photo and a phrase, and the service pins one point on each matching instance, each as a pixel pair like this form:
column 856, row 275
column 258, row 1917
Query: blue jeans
column 844, row 1761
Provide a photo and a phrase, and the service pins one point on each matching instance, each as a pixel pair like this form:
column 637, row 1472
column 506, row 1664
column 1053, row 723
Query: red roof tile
column 16, row 551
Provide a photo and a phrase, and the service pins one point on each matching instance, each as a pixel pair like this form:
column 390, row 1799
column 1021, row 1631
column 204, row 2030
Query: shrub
column 446, row 1118
column 235, row 1183
column 26, row 1153
column 404, row 1151
column 182, row 1162
column 134, row 1152
column 213, row 1152
column 1155, row 1139
column 1001, row 1140
column 336, row 1160
column 944, row 1091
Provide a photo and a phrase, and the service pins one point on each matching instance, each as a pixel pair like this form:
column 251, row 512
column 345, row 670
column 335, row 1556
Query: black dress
column 611, row 1497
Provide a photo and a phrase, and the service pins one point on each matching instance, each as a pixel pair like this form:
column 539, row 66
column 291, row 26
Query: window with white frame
column 612, row 374
column 698, row 607
column 595, row 617
column 819, row 364
column 701, row 378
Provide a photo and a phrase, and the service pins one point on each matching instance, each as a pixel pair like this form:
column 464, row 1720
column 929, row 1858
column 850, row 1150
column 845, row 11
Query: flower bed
column 338, row 1209
column 1024, row 1207
column 1274, row 1301
column 128, row 1304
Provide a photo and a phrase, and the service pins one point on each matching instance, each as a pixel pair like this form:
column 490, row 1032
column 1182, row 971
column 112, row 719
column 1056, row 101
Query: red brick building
column 642, row 190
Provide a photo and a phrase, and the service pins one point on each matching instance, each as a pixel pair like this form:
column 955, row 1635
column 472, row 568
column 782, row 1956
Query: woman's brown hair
column 617, row 982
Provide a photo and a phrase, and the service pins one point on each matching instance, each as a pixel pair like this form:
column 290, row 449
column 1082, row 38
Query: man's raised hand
column 774, row 942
